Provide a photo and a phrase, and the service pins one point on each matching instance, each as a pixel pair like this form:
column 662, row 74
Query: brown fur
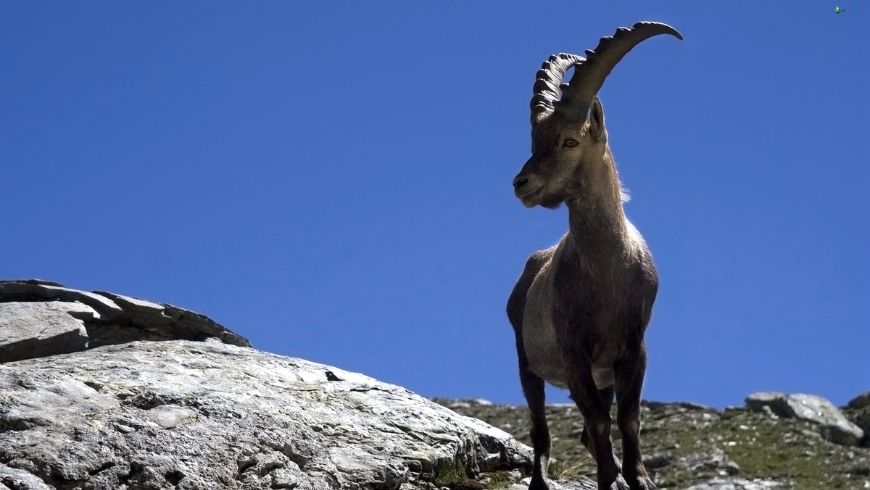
column 580, row 309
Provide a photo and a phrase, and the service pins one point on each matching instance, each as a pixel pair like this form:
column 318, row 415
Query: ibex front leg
column 533, row 388
column 629, row 373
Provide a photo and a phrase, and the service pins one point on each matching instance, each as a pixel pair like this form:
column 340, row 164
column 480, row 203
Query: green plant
column 499, row 479
column 558, row 470
column 451, row 474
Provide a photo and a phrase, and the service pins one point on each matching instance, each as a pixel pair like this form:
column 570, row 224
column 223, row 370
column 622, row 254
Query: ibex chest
column 586, row 307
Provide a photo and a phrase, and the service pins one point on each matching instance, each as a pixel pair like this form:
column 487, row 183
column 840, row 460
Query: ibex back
column 580, row 309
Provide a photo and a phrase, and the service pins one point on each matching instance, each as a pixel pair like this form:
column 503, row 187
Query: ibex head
column 569, row 140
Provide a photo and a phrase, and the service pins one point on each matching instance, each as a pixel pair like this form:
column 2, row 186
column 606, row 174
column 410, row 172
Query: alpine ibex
column 580, row 308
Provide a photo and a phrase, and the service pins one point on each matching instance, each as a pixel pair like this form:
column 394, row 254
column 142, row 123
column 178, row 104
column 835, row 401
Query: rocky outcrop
column 207, row 415
column 104, row 391
column 40, row 318
column 860, row 401
column 832, row 424
column 29, row 330
column 858, row 412
column 686, row 445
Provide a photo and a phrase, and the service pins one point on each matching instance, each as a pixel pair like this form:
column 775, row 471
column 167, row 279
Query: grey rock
column 208, row 415
column 735, row 484
column 29, row 330
column 833, row 425
column 134, row 304
column 858, row 412
column 686, row 405
column 860, row 401
column 655, row 461
column 107, row 318
column 584, row 484
column 760, row 399
column 861, row 418
column 12, row 479
column 38, row 290
column 730, row 412
column 714, row 461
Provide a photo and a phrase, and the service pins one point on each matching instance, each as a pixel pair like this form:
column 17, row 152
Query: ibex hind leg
column 596, row 414
column 533, row 385
column 606, row 395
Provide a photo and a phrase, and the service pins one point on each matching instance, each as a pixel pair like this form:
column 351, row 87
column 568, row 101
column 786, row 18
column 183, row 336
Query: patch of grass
column 555, row 468
column 451, row 474
column 499, row 479
column 572, row 470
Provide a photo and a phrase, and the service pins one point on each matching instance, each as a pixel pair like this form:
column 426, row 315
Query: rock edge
column 80, row 320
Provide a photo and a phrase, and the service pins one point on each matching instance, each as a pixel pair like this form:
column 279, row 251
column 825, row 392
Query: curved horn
column 547, row 80
column 589, row 74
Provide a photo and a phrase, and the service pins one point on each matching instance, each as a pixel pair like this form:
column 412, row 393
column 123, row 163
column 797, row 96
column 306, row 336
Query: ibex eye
column 571, row 143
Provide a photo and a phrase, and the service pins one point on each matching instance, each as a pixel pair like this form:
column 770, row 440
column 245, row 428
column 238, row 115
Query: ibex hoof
column 538, row 484
column 641, row 483
column 618, row 484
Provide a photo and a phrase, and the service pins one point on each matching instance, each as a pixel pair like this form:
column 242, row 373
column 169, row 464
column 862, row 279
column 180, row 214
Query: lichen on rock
column 211, row 415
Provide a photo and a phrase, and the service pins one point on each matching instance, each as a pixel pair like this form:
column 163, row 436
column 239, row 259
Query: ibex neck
column 595, row 217
column 596, row 226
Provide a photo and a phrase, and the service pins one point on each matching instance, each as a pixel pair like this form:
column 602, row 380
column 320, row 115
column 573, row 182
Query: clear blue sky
column 333, row 181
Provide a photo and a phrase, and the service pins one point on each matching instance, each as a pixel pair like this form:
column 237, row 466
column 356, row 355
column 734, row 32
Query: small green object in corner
column 840, row 10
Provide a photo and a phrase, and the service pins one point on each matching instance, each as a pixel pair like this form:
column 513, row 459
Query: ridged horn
column 589, row 74
column 547, row 80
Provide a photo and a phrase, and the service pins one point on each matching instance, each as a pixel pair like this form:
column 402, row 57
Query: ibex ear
column 596, row 121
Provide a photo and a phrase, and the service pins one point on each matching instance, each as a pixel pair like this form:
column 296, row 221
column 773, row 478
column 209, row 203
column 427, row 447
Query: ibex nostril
column 519, row 182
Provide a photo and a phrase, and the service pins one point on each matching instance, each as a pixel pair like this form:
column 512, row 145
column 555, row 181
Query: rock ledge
column 41, row 318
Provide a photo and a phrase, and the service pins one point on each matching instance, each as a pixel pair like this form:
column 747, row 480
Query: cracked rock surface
column 207, row 415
